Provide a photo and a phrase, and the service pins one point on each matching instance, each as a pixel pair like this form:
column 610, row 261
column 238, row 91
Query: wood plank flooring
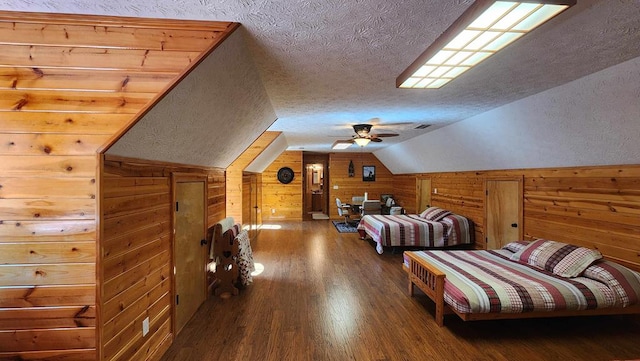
column 329, row 296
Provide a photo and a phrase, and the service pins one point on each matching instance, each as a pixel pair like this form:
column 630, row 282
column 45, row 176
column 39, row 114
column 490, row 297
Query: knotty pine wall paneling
column 246, row 199
column 355, row 186
column 235, row 171
column 137, row 253
column 596, row 207
column 284, row 199
column 405, row 192
column 216, row 198
column 69, row 85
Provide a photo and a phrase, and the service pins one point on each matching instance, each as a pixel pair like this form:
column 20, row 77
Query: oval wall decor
column 285, row 175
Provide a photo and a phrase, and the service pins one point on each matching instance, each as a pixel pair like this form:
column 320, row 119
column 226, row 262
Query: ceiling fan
column 363, row 134
column 362, row 137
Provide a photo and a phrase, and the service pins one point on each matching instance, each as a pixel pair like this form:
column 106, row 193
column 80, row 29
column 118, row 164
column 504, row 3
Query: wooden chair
column 223, row 252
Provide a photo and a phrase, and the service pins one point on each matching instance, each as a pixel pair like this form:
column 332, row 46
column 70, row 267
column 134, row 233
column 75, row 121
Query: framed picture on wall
column 368, row 173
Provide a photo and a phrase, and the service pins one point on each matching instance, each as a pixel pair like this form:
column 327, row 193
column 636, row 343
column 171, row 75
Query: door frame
column 520, row 180
column 309, row 158
column 176, row 178
column 419, row 180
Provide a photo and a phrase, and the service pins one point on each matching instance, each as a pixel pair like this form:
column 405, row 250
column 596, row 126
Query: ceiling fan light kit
column 483, row 29
column 362, row 137
column 362, row 141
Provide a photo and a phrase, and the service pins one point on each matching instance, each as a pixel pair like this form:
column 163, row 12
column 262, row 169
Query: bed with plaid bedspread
column 412, row 230
column 482, row 282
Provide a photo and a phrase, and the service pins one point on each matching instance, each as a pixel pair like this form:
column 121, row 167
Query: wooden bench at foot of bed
column 430, row 280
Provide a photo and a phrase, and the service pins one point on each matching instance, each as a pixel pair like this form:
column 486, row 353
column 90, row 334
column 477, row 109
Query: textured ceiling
column 327, row 64
column 209, row 118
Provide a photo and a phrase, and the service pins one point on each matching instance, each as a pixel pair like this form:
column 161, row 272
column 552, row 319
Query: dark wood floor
column 329, row 296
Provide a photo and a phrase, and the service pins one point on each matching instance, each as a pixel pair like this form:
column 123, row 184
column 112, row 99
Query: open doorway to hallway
column 314, row 186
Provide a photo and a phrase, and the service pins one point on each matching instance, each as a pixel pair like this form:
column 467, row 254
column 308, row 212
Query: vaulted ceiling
column 328, row 64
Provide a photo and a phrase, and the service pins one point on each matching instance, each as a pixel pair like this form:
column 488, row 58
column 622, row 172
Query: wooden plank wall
column 216, row 201
column 246, row 198
column 405, row 191
column 597, row 207
column 354, row 186
column 284, row 199
column 68, row 86
column 137, row 253
column 235, row 173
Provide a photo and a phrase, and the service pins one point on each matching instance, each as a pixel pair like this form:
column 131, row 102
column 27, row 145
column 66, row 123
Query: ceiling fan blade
column 377, row 140
column 382, row 135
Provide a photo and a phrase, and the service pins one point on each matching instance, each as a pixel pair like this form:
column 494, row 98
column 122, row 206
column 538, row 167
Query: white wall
column 594, row 120
column 208, row 119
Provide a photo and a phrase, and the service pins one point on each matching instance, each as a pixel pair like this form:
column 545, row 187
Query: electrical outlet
column 435, row 190
column 335, row 187
column 273, row 211
column 145, row 326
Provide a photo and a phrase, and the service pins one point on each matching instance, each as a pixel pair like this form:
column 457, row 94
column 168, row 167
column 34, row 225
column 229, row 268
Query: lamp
column 486, row 27
column 341, row 144
column 361, row 141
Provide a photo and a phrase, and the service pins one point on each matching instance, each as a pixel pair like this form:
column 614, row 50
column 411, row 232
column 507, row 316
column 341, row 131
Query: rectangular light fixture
column 486, row 27
column 341, row 144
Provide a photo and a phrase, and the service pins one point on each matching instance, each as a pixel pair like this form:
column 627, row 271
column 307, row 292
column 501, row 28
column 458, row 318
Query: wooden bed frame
column 430, row 280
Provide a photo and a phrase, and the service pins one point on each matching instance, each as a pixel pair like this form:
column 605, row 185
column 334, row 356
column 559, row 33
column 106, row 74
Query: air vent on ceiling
column 422, row 126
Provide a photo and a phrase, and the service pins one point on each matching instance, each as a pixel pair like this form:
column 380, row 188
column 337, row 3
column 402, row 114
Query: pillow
column 515, row 246
column 562, row 259
column 624, row 282
column 434, row 214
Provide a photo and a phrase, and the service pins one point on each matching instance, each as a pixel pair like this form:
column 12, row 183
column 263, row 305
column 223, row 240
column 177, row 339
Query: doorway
column 314, row 180
column 503, row 211
column 189, row 247
column 250, row 204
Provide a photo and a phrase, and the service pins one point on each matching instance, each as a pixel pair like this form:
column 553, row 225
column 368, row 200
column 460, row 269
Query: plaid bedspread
column 488, row 281
column 412, row 230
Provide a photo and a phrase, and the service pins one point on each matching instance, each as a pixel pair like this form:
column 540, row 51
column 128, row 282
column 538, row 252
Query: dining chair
column 343, row 210
column 371, row 206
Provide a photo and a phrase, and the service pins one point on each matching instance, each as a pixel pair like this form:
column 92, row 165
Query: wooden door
column 424, row 194
column 189, row 252
column 503, row 216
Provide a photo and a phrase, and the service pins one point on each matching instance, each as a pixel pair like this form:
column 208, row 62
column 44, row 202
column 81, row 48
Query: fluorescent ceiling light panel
column 485, row 28
column 341, row 144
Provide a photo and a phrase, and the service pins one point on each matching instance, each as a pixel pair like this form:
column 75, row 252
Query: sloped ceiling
column 271, row 153
column 208, row 119
column 327, row 64
column 594, row 120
